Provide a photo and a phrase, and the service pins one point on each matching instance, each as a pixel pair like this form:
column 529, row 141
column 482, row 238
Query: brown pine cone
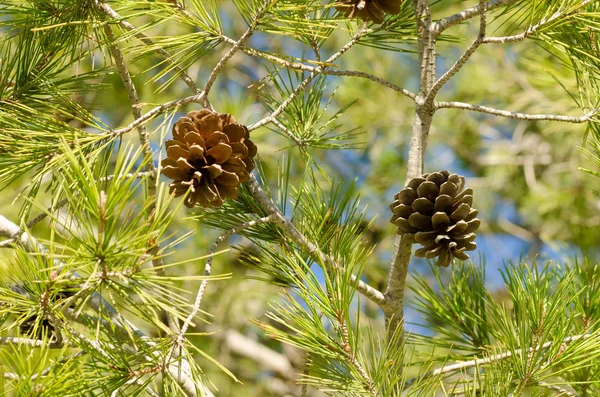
column 210, row 154
column 368, row 10
column 434, row 211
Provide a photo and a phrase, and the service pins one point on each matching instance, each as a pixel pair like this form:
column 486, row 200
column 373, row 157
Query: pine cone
column 368, row 10
column 210, row 154
column 434, row 211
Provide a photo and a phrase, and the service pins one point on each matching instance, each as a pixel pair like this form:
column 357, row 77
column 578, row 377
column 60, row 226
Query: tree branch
column 289, row 133
column 497, row 357
column 394, row 295
column 327, row 72
column 207, row 269
column 105, row 7
column 368, row 76
column 10, row 340
column 99, row 304
column 294, row 234
column 462, row 59
column 516, row 115
column 533, row 29
column 198, row 98
column 144, row 139
column 561, row 390
column 238, row 44
column 469, row 13
column 305, row 82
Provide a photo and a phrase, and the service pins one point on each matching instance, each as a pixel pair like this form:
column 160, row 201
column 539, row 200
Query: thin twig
column 289, row 133
column 368, row 76
column 284, row 104
column 144, row 139
column 463, row 58
column 207, row 270
column 294, row 234
column 35, row 221
column 561, row 390
column 240, row 42
column 534, row 28
column 516, row 115
column 316, row 71
column 10, row 340
column 352, row 357
column 469, row 13
column 497, row 357
column 105, row 7
column 325, row 71
column 197, row 98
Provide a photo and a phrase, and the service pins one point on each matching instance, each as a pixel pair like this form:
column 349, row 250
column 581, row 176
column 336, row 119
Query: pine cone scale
column 443, row 203
column 460, row 213
column 429, row 190
column 176, row 151
column 419, row 221
column 193, row 138
column 423, row 205
column 220, row 153
column 439, row 219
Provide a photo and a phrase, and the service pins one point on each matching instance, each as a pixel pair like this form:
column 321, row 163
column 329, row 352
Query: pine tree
column 141, row 139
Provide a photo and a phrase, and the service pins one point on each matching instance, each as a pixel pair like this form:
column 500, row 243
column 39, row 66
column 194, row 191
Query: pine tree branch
column 316, row 71
column 200, row 97
column 30, row 244
column 516, row 115
column 281, row 108
column 35, row 221
column 327, row 72
column 105, row 7
column 534, row 28
column 560, row 390
column 469, row 13
column 144, row 139
column 394, row 296
column 10, row 340
column 239, row 43
column 462, row 60
column 207, row 270
column 289, row 133
column 491, row 359
column 351, row 356
column 294, row 234
column 197, row 98
column 363, row 75
column 99, row 304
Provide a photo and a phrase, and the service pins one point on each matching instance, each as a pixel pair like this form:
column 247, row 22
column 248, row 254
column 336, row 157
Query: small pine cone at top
column 210, row 155
column 368, row 10
column 435, row 210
